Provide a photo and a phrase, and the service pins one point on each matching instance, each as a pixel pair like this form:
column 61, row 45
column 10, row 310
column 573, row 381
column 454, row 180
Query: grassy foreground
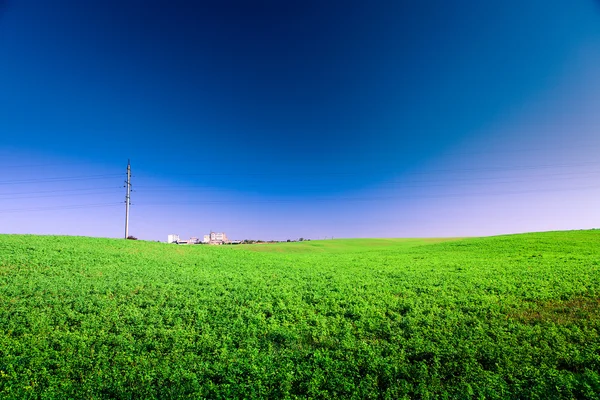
column 503, row 317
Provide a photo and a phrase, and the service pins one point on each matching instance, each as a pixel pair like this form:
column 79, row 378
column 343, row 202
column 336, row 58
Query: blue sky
column 277, row 120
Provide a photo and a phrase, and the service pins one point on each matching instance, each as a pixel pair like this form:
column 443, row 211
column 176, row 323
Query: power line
column 451, row 153
column 380, row 170
column 479, row 178
column 58, row 191
column 56, row 195
column 523, row 150
column 373, row 198
column 510, row 168
column 59, row 179
column 321, row 173
column 94, row 191
column 25, row 166
column 66, row 207
column 395, row 183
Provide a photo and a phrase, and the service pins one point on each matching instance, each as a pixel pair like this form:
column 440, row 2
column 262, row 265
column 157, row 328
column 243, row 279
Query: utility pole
column 127, row 199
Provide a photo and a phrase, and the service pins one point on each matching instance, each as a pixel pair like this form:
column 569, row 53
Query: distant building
column 212, row 238
column 216, row 238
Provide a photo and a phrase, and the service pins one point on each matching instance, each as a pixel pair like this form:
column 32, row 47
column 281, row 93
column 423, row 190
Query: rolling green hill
column 341, row 245
column 513, row 316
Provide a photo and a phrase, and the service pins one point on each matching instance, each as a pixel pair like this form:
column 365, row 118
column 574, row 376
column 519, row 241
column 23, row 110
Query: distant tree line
column 253, row 241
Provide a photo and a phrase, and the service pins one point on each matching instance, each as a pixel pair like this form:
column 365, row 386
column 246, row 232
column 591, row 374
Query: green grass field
column 501, row 317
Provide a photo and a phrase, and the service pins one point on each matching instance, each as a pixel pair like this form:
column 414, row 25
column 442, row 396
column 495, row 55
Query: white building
column 218, row 237
column 212, row 238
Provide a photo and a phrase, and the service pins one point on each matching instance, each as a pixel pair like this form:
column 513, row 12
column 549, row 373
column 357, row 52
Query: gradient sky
column 280, row 120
